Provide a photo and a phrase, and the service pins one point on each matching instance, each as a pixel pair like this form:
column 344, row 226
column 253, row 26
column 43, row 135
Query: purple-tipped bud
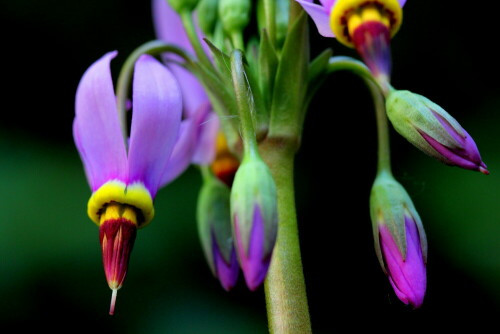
column 255, row 219
column 400, row 241
column 406, row 274
column 214, row 228
column 431, row 129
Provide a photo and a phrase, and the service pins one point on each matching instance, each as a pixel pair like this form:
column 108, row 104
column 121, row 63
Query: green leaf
column 268, row 65
column 291, row 82
column 318, row 72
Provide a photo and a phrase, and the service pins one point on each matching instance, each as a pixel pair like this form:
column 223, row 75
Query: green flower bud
column 431, row 129
column 255, row 218
column 181, row 5
column 235, row 14
column 214, row 228
column 207, row 15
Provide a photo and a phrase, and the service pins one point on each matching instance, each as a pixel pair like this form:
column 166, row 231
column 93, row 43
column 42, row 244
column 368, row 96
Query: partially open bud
column 117, row 232
column 234, row 14
column 214, row 228
column 255, row 219
column 368, row 26
column 431, row 129
column 225, row 163
column 400, row 241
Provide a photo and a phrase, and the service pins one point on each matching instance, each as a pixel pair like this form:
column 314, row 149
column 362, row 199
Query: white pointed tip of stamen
column 113, row 302
column 484, row 170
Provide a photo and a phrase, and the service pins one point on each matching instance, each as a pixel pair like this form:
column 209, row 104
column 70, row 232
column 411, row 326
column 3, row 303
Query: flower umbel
column 400, row 241
column 125, row 181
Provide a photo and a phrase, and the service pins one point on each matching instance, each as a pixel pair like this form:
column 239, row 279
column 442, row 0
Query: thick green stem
column 286, row 299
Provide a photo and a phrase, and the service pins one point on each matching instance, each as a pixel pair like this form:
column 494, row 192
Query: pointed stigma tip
column 484, row 170
column 113, row 302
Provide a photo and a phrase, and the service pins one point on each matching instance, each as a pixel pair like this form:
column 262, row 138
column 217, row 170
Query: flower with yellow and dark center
column 125, row 173
column 367, row 25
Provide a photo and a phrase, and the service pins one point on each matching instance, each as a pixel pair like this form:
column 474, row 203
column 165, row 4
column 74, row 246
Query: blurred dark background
column 51, row 275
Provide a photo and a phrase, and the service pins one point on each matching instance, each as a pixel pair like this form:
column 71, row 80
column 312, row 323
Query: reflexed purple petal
column 156, row 116
column 169, row 28
column 402, row 2
column 96, row 127
column 254, row 262
column 320, row 16
column 207, row 129
column 227, row 273
column 407, row 276
column 181, row 156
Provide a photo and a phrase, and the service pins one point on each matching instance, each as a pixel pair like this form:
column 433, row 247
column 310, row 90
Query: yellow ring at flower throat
column 346, row 15
column 135, row 195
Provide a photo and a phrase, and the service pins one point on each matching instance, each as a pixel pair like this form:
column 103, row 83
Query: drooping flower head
column 125, row 178
column 367, row 25
column 399, row 237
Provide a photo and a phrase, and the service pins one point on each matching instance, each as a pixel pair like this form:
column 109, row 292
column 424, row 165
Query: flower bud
column 207, row 15
column 234, row 14
column 255, row 218
column 214, row 228
column 400, row 241
column 117, row 232
column 181, row 5
column 431, row 129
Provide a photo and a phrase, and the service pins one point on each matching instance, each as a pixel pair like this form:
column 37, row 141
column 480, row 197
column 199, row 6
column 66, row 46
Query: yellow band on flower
column 347, row 15
column 115, row 211
column 134, row 195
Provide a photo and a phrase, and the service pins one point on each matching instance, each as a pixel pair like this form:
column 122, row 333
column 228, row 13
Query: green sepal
column 214, row 218
column 410, row 113
column 253, row 187
column 291, row 82
column 389, row 203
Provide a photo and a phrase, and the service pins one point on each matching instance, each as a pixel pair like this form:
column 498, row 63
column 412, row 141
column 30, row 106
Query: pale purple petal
column 182, row 153
column 207, row 130
column 407, row 276
column 169, row 28
column 97, row 129
column 320, row 16
column 402, row 2
column 328, row 4
column 156, row 117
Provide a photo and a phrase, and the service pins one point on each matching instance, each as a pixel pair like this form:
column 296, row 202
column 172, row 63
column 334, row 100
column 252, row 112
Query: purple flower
column 125, row 181
column 407, row 274
column 204, row 125
column 363, row 24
